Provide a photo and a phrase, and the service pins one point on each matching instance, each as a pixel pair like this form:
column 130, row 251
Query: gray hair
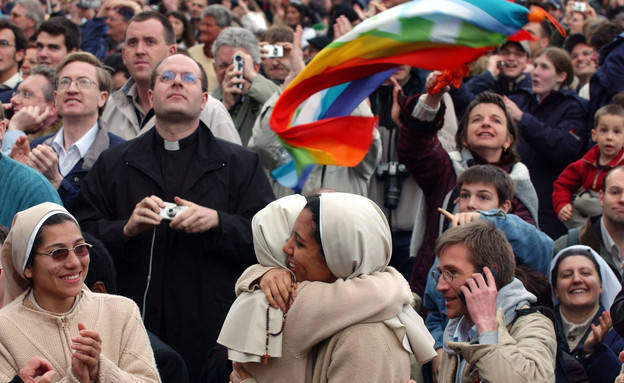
column 238, row 38
column 33, row 11
column 50, row 75
column 221, row 14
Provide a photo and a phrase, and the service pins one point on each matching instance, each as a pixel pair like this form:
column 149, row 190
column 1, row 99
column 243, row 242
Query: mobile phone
column 500, row 64
column 494, row 274
column 579, row 6
column 237, row 59
column 274, row 50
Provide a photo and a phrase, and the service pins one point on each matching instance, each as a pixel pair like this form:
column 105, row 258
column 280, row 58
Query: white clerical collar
column 171, row 146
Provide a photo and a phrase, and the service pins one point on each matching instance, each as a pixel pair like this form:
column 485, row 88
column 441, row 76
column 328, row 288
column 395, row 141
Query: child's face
column 477, row 196
column 609, row 134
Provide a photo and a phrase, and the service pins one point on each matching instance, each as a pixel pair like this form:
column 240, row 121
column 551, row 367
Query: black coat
column 193, row 275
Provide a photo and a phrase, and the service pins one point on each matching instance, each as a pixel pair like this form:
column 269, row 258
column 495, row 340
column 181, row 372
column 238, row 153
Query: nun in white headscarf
column 358, row 327
column 583, row 288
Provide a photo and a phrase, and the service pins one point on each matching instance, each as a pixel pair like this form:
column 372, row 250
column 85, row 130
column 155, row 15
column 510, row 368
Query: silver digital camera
column 274, row 50
column 171, row 210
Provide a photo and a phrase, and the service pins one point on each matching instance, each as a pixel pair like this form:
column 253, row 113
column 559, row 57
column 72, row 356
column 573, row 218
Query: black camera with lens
column 393, row 173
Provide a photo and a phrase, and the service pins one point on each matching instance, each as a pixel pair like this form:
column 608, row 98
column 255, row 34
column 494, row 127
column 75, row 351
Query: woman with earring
column 50, row 313
column 485, row 135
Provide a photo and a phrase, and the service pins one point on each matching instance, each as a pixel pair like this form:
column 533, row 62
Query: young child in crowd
column 485, row 192
column 575, row 192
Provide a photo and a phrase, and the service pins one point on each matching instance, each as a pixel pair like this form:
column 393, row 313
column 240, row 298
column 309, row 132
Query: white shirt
column 611, row 246
column 68, row 159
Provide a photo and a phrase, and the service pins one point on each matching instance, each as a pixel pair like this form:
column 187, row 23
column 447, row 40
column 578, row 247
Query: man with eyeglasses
column 149, row 39
column 34, row 110
column 506, row 74
column 12, row 46
column 487, row 338
column 179, row 269
column 65, row 158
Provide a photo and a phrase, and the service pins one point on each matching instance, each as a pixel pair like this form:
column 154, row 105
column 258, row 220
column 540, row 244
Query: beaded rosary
column 266, row 355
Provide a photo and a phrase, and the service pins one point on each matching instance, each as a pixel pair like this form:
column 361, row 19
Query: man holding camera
column 489, row 337
column 179, row 271
column 242, row 92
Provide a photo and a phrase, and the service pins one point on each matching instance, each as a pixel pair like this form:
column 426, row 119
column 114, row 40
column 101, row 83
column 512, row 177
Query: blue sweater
column 21, row 187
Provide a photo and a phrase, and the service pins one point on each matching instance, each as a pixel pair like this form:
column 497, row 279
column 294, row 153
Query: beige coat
column 126, row 353
column 525, row 353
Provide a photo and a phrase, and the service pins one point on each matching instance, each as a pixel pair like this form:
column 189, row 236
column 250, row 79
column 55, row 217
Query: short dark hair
column 204, row 77
column 609, row 109
column 101, row 266
column 604, row 34
column 489, row 98
column 169, row 34
column 487, row 246
column 4, row 231
column 20, row 40
column 277, row 34
column 569, row 252
column 114, row 64
column 59, row 25
column 490, row 175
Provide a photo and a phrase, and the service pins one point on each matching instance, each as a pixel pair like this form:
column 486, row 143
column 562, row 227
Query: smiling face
column 582, row 61
column 293, row 17
column 545, row 77
column 515, row 60
column 75, row 102
column 487, row 130
column 30, row 92
column 304, row 254
column 208, row 30
column 57, row 283
column 578, row 284
column 454, row 259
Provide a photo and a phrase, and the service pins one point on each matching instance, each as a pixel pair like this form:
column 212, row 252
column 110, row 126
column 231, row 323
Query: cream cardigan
column 126, row 353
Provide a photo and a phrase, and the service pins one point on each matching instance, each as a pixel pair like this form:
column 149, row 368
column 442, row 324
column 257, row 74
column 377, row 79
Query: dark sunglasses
column 60, row 254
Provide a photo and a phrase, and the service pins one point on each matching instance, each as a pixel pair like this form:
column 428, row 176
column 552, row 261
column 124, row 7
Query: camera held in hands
column 393, row 173
column 237, row 59
column 171, row 210
column 274, row 50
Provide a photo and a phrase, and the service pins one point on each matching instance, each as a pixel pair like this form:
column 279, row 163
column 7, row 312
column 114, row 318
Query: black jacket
column 193, row 275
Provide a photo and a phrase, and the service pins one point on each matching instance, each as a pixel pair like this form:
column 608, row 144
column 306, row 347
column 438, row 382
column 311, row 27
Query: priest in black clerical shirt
column 180, row 272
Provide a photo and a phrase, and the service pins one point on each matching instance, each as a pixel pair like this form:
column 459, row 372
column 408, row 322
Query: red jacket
column 582, row 174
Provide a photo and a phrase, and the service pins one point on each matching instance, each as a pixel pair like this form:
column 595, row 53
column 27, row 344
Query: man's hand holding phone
column 480, row 299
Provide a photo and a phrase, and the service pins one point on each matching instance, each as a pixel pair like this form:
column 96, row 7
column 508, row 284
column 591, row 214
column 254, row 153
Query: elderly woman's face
column 57, row 282
column 578, row 283
column 304, row 253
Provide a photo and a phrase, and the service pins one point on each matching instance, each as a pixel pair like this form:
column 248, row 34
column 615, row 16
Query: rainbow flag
column 311, row 117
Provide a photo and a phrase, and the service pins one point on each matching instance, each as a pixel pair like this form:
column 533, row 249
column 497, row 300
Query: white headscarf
column 356, row 240
column 244, row 329
column 610, row 283
column 19, row 243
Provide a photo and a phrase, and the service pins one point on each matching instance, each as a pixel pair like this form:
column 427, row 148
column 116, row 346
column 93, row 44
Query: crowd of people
column 145, row 238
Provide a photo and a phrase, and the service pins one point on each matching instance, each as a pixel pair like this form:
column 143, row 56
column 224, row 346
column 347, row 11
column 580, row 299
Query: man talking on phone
column 487, row 339
column 242, row 92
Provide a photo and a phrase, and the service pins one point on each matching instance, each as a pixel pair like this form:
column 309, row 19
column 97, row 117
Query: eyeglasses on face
column 187, row 77
column 5, row 43
column 81, row 82
column 584, row 52
column 62, row 253
column 447, row 275
column 510, row 53
column 25, row 95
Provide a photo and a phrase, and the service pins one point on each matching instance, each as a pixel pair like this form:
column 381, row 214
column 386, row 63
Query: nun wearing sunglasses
column 73, row 334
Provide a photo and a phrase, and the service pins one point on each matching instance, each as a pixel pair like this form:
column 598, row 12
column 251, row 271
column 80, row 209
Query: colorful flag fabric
column 428, row 34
